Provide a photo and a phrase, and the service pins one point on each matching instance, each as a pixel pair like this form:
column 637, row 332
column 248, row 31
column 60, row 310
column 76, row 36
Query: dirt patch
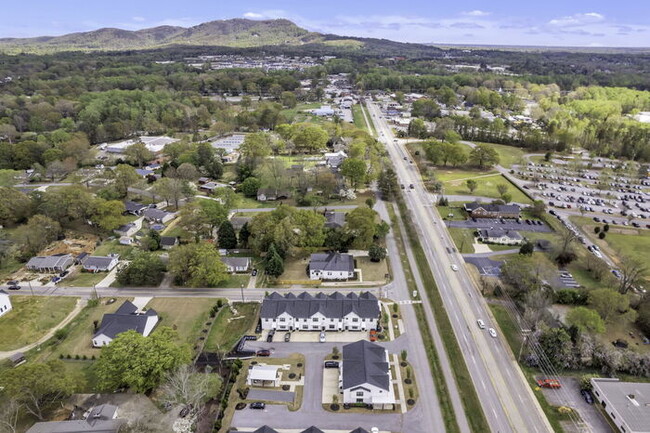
column 74, row 243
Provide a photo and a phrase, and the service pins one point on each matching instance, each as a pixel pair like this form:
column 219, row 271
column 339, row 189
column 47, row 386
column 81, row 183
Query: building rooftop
column 630, row 399
column 335, row 305
column 331, row 262
column 124, row 319
column 365, row 362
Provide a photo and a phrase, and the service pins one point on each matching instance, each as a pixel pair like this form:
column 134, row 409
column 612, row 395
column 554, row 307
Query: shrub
column 62, row 333
column 602, row 235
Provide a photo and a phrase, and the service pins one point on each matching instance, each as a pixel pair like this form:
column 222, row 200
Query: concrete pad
column 314, row 336
column 270, row 395
column 330, row 385
column 481, row 248
column 141, row 301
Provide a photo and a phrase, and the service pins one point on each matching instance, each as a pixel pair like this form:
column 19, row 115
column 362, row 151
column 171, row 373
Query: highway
column 508, row 402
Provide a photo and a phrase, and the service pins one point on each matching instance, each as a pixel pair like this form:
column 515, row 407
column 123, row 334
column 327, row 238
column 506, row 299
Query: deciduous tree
column 197, row 265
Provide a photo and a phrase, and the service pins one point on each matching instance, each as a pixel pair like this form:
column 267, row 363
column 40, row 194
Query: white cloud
column 476, row 13
column 253, row 15
column 270, row 14
column 138, row 19
column 577, row 20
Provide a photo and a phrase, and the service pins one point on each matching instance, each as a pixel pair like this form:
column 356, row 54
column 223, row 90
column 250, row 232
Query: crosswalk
column 408, row 302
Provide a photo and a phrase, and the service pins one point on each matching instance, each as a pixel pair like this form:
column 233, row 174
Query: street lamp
column 241, row 287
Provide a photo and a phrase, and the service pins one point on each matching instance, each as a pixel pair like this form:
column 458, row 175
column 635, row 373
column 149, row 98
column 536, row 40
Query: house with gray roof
column 99, row 419
column 237, row 264
column 158, row 216
column 127, row 230
column 331, row 266
column 126, row 318
column 54, row 263
column 320, row 312
column 168, row 242
column 482, row 210
column 500, row 236
column 100, row 263
column 626, row 403
column 365, row 377
column 134, row 208
column 334, row 220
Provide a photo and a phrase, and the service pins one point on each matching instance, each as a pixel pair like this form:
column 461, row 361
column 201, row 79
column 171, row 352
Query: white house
column 126, row 318
column 100, row 263
column 264, row 375
column 158, row 216
column 365, row 377
column 331, row 266
column 500, row 236
column 5, row 303
column 129, row 229
column 334, row 312
column 54, row 263
column 237, row 264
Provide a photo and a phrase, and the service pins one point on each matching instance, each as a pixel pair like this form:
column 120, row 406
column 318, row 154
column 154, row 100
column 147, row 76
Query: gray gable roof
column 313, row 429
column 48, row 262
column 334, row 219
column 331, row 262
column 77, row 426
column 155, row 214
column 124, row 319
column 265, row 429
column 336, row 305
column 133, row 207
column 236, row 262
column 365, row 363
column 498, row 232
column 359, row 430
column 98, row 262
column 168, row 240
column 501, row 208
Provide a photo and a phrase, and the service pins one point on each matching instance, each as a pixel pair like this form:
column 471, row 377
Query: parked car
column 373, row 335
column 254, row 273
column 257, row 405
column 321, row 337
column 480, row 324
column 269, row 338
column 185, row 411
column 287, row 337
column 587, row 396
column 492, row 332
column 263, row 352
column 412, row 186
column 14, row 287
column 331, row 364
column 549, row 383
column 258, row 327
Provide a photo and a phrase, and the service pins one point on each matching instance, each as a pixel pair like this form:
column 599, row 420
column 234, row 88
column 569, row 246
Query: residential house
column 365, row 376
column 158, row 216
column 126, row 318
column 99, row 419
column 331, row 266
column 321, row 312
column 5, row 303
column 626, row 403
column 270, row 194
column 54, row 263
column 80, row 258
column 500, row 236
column 238, row 222
column 264, row 375
column 129, row 229
column 237, row 264
column 126, row 240
column 334, row 220
column 100, row 263
column 144, row 172
column 335, row 159
column 134, row 208
column 168, row 242
column 480, row 210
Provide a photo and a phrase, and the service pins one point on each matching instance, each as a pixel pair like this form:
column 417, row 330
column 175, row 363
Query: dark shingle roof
column 335, row 305
column 98, row 262
column 498, row 232
column 168, row 241
column 131, row 206
column 331, row 262
column 359, row 430
column 312, row 429
column 155, row 214
column 365, row 362
column 124, row 319
column 334, row 219
column 265, row 429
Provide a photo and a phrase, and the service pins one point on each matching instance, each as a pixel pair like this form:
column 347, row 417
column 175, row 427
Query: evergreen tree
column 227, row 236
column 244, row 234
column 274, row 264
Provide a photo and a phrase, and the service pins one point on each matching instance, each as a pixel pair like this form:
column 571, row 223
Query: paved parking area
column 485, row 266
column 487, row 223
column 270, row 395
column 330, row 384
column 314, row 336
column 571, row 391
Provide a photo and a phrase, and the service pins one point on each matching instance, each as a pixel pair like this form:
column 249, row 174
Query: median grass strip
column 442, row 391
column 469, row 397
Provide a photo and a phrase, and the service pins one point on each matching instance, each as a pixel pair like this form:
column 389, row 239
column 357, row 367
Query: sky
column 595, row 23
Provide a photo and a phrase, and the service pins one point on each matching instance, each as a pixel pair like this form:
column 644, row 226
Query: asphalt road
column 508, row 401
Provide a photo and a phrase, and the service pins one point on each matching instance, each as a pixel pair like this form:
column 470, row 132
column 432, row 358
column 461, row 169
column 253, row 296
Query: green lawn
column 114, row 246
column 31, row 318
column 458, row 212
column 235, row 281
column 83, row 279
column 295, row 115
column 448, row 174
column 357, row 114
column 228, row 329
column 463, row 238
column 487, row 187
column 372, row 271
column 186, row 315
column 508, row 155
column 81, row 329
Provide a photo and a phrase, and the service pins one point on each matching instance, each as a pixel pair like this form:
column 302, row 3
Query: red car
column 263, row 353
column 373, row 335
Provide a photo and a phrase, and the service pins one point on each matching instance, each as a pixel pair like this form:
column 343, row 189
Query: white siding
column 101, row 340
column 5, row 304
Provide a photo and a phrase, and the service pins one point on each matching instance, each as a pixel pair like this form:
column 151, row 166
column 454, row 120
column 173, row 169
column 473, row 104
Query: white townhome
column 365, row 375
column 335, row 312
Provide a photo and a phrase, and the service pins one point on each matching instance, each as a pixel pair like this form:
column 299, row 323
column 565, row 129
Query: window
column 315, row 319
column 355, row 319
column 612, row 414
column 359, row 393
column 331, row 326
column 282, row 319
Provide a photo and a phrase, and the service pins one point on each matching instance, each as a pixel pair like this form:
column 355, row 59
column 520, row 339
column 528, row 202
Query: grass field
column 357, row 114
column 114, row 246
column 448, row 174
column 235, row 281
column 458, row 212
column 487, row 186
column 227, row 329
column 508, row 155
column 186, row 315
column 81, row 329
column 295, row 115
column 463, row 238
column 372, row 271
column 83, row 279
column 31, row 318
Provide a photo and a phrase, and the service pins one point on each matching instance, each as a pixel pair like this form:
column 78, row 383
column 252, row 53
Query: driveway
column 570, row 394
column 270, row 395
column 489, row 223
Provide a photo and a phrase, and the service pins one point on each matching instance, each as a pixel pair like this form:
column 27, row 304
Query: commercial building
column 626, row 403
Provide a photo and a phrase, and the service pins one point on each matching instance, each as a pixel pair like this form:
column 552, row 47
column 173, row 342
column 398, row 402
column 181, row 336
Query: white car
column 492, row 332
column 454, row 268
column 321, row 337
column 480, row 324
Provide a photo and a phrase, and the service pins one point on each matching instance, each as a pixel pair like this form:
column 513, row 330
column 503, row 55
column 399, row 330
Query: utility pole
column 242, row 292
column 30, row 287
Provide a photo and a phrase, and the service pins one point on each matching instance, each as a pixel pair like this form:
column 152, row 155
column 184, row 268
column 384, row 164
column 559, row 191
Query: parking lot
column 506, row 224
column 314, row 336
column 485, row 266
